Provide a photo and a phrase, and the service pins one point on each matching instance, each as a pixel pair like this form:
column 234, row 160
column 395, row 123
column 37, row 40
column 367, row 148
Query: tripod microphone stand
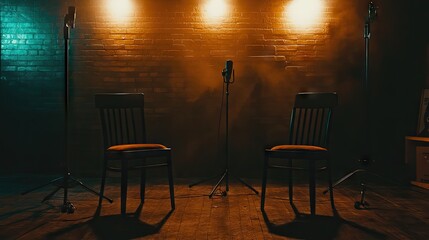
column 365, row 161
column 227, row 73
column 66, row 181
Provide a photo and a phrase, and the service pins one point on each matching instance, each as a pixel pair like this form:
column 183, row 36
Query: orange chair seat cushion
column 297, row 148
column 138, row 146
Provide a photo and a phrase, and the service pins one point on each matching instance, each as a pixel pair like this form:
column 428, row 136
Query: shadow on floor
column 111, row 227
column 319, row 227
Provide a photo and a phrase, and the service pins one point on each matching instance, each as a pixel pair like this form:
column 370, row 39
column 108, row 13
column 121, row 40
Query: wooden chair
column 124, row 135
column 308, row 138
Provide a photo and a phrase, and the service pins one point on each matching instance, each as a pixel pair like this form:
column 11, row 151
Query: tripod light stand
column 365, row 160
column 227, row 73
column 66, row 181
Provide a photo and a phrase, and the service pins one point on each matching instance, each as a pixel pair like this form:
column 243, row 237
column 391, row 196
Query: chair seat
column 135, row 147
column 304, row 152
column 297, row 148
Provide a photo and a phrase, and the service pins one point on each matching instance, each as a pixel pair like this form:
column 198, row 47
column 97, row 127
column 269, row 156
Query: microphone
column 372, row 11
column 71, row 17
column 69, row 21
column 372, row 14
column 228, row 71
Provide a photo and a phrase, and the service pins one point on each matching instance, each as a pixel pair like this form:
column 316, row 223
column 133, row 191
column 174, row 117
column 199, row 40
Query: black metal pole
column 372, row 12
column 66, row 106
column 367, row 95
column 367, row 36
column 226, row 135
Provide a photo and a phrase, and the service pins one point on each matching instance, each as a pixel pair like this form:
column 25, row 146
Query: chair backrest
column 122, row 117
column 311, row 118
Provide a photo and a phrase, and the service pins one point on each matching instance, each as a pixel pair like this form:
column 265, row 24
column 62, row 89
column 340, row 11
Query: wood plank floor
column 395, row 213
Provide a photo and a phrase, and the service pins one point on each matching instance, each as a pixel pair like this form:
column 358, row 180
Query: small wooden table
column 411, row 143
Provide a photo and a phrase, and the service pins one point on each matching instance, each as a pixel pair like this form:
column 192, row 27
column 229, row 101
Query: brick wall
column 170, row 53
column 30, row 86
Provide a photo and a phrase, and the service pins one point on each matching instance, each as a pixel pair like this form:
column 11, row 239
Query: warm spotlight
column 120, row 9
column 215, row 10
column 304, row 14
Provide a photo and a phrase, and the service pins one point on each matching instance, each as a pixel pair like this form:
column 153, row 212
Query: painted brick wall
column 167, row 50
column 31, row 86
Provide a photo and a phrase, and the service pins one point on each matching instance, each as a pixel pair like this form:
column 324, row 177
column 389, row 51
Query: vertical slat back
column 310, row 120
column 122, row 117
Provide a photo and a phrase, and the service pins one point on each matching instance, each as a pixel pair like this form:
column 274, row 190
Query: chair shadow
column 305, row 226
column 113, row 227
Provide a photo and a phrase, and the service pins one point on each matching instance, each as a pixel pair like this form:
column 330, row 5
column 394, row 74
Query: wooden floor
column 395, row 213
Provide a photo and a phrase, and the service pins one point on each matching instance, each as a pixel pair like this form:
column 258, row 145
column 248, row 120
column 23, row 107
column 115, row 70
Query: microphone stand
column 226, row 173
column 365, row 161
column 66, row 181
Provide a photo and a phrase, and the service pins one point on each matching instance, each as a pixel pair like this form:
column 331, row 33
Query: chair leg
column 290, row 181
column 264, row 181
column 170, row 182
column 124, row 186
column 142, row 183
column 312, row 187
column 331, row 189
column 103, row 182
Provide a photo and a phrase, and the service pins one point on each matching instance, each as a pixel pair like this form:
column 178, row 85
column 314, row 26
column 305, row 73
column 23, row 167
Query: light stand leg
column 41, row 186
column 51, row 194
column 224, row 176
column 89, row 189
column 247, row 185
column 344, row 179
column 204, row 180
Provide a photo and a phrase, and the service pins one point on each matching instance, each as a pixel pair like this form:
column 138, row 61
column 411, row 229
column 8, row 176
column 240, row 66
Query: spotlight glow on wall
column 215, row 10
column 120, row 9
column 305, row 14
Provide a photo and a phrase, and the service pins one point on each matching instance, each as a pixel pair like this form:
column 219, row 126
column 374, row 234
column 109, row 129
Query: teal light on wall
column 31, row 83
column 29, row 40
column 17, row 38
column 31, row 55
